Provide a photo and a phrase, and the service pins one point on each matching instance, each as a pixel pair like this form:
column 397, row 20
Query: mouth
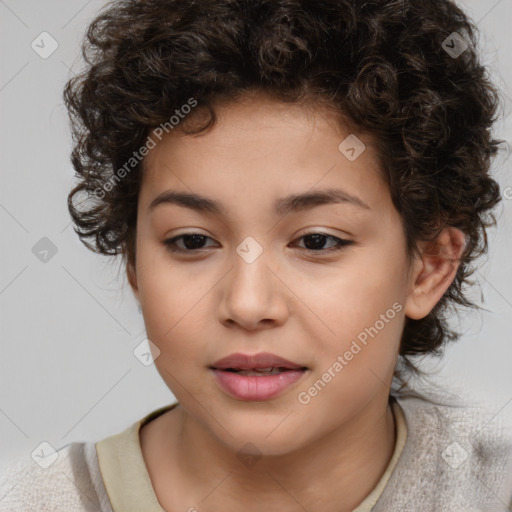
column 256, row 377
column 252, row 385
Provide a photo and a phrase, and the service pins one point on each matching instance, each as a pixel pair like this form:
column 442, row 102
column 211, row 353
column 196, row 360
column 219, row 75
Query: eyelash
column 340, row 243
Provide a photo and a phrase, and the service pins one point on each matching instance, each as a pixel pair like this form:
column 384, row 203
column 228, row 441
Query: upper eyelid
column 342, row 241
column 318, row 232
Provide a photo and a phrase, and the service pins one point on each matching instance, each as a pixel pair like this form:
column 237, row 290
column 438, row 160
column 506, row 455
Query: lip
column 255, row 387
column 239, row 361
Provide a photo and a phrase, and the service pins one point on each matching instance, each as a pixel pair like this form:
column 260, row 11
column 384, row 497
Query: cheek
column 359, row 313
column 355, row 293
column 171, row 301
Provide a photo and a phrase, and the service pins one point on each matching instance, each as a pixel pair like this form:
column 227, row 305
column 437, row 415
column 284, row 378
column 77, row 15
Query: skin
column 307, row 307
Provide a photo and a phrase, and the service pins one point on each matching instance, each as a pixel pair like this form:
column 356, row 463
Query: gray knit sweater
column 454, row 459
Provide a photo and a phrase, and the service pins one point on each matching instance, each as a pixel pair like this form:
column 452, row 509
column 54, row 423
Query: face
column 321, row 283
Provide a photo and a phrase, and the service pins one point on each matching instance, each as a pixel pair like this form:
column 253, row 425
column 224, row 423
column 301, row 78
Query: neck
column 333, row 474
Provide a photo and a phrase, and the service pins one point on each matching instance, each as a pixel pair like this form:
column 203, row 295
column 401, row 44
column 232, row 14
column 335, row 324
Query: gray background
column 69, row 325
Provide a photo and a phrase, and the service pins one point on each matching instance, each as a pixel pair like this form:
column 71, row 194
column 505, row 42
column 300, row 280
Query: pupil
column 315, row 244
column 193, row 238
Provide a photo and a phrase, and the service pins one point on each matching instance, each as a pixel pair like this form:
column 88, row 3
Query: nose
column 252, row 295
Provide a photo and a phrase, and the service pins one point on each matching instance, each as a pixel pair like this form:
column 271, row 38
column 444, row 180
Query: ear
column 433, row 271
column 132, row 279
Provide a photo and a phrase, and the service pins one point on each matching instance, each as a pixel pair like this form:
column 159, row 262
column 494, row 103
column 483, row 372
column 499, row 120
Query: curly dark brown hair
column 384, row 64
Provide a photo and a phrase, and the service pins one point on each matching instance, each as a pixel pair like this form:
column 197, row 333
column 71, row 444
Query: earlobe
column 434, row 271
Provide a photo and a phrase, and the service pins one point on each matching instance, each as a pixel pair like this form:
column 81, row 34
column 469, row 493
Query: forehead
column 265, row 148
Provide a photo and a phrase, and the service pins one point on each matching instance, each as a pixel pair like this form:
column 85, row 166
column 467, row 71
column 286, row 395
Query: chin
column 252, row 439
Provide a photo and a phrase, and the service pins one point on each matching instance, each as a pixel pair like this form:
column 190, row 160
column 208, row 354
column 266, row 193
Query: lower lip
column 248, row 387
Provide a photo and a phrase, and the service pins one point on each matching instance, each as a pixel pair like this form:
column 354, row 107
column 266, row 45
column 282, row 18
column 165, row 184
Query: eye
column 315, row 241
column 192, row 242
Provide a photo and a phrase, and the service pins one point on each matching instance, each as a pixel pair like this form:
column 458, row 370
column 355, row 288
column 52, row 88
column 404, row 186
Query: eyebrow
column 284, row 205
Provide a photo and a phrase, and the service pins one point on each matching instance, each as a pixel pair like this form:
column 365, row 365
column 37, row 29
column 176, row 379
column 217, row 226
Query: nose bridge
column 252, row 291
column 251, row 275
